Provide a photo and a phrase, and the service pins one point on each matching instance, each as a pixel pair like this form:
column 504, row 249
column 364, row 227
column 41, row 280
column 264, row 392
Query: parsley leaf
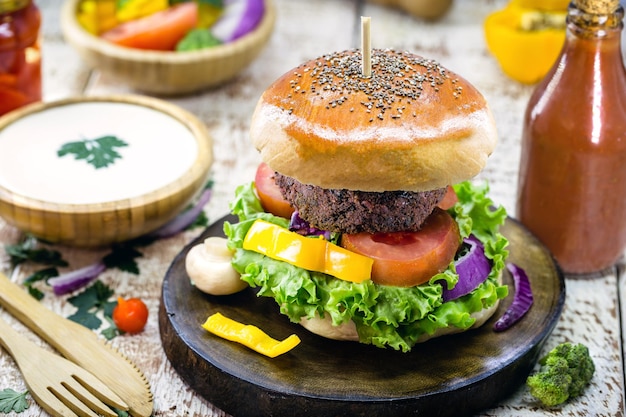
column 121, row 413
column 35, row 293
column 41, row 275
column 86, row 318
column 98, row 152
column 11, row 400
column 91, row 301
column 111, row 331
column 123, row 257
column 96, row 296
column 201, row 221
column 25, row 251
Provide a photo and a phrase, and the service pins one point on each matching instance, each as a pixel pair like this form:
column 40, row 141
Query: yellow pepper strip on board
column 97, row 16
column 312, row 254
column 249, row 335
column 135, row 9
column 526, row 42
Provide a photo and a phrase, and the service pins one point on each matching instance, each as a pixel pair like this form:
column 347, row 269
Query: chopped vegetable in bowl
column 172, row 25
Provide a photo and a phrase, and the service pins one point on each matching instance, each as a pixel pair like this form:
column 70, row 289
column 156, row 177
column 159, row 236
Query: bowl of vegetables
column 69, row 175
column 169, row 47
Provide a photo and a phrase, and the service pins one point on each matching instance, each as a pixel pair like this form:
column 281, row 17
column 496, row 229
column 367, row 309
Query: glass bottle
column 20, row 55
column 572, row 179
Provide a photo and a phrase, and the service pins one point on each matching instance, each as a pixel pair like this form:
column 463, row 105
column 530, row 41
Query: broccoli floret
column 565, row 372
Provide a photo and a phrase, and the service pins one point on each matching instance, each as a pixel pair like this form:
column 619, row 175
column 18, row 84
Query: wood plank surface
column 304, row 30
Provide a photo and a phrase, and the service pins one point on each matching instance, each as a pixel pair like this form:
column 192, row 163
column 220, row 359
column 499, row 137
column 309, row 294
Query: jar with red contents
column 20, row 54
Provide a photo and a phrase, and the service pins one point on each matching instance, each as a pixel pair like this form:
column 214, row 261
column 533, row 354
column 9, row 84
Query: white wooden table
column 305, row 29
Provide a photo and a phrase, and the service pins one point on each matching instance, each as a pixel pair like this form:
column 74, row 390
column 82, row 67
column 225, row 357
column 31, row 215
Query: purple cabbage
column 299, row 225
column 473, row 269
column 522, row 300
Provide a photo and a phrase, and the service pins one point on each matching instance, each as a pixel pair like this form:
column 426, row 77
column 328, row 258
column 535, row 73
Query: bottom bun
column 347, row 331
column 324, row 327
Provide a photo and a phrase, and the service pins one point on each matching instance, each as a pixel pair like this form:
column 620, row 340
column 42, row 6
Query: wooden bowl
column 167, row 73
column 93, row 171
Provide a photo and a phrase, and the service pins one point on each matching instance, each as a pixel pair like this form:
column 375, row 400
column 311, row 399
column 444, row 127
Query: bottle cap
column 8, row 6
column 597, row 6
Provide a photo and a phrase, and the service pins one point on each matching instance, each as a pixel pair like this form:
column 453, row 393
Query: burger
column 379, row 171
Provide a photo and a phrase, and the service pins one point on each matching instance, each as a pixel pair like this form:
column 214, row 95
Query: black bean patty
column 349, row 211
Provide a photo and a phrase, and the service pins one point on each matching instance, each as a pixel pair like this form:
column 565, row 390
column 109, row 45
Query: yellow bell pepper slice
column 135, row 9
column 249, row 335
column 208, row 14
column 312, row 254
column 97, row 16
column 526, row 42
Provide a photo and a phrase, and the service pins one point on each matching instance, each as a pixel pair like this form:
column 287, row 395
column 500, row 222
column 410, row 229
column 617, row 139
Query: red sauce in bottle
column 20, row 57
column 572, row 185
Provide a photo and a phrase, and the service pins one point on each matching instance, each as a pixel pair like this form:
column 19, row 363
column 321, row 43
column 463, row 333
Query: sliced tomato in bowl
column 159, row 31
column 406, row 259
column 269, row 193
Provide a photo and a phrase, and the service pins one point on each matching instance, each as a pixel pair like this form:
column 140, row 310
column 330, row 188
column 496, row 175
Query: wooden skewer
column 366, row 47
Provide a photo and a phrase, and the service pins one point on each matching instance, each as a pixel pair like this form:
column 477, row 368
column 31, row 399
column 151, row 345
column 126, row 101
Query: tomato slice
column 449, row 200
column 158, row 31
column 269, row 193
column 406, row 259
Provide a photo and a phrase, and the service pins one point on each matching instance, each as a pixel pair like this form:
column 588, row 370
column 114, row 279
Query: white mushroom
column 209, row 267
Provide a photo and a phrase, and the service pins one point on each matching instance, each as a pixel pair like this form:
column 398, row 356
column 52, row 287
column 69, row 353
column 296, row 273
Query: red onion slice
column 239, row 17
column 74, row 280
column 522, row 300
column 473, row 268
column 184, row 219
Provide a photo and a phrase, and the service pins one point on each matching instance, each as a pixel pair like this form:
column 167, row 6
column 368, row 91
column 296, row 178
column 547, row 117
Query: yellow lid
column 597, row 6
column 7, row 6
column 544, row 5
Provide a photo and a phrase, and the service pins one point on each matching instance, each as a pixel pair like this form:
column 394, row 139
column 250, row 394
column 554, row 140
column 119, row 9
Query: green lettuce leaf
column 385, row 316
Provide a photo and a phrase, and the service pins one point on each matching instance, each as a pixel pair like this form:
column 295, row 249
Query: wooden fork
column 59, row 386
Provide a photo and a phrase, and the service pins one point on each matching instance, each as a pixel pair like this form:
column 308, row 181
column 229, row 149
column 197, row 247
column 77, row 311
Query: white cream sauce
column 160, row 149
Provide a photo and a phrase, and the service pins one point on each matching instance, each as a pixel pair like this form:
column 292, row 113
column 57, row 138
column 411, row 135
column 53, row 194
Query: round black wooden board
column 448, row 376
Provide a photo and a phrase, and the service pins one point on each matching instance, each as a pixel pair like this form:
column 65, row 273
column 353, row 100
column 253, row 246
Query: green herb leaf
column 11, row 400
column 23, row 252
column 215, row 3
column 41, row 275
column 108, row 307
column 88, row 319
column 123, row 257
column 89, row 303
column 201, row 221
column 35, row 293
column 197, row 39
column 94, row 296
column 98, row 152
column 111, row 331
column 121, row 413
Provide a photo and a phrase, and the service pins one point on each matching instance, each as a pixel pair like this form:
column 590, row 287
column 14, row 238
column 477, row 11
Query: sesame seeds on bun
column 413, row 125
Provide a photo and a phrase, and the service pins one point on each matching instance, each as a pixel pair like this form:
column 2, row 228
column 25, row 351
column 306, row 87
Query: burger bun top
column 413, row 125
